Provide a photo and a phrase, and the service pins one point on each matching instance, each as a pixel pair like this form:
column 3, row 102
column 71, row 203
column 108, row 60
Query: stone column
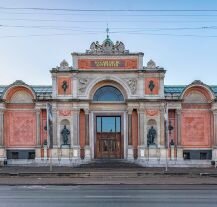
column 1, row 128
column 214, row 150
column 87, row 138
column 54, row 86
column 130, row 127
column 76, row 127
column 130, row 142
column 162, row 127
column 38, row 127
column 162, row 86
column 141, row 127
column 178, row 121
column 179, row 141
column 54, row 111
column 87, row 141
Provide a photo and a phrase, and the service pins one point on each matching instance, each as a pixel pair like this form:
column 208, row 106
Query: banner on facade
column 49, row 125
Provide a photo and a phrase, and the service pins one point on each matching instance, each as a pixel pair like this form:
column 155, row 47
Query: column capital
column 37, row 110
column 2, row 111
column 76, row 110
column 86, row 111
column 129, row 110
column 178, row 111
column 141, row 111
column 214, row 111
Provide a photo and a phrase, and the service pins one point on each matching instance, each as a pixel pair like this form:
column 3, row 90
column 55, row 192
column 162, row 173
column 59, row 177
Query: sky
column 33, row 41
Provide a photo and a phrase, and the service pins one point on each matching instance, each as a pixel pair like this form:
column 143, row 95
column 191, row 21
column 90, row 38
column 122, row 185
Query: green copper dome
column 108, row 41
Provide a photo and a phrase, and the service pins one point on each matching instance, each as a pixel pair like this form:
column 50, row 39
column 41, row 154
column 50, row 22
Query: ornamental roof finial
column 107, row 31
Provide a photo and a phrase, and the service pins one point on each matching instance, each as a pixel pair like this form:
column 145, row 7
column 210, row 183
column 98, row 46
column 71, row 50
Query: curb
column 102, row 174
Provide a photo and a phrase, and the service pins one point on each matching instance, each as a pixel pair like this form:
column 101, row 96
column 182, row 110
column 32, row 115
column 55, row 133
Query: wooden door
column 108, row 137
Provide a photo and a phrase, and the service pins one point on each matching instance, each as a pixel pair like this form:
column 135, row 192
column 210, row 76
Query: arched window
column 108, row 93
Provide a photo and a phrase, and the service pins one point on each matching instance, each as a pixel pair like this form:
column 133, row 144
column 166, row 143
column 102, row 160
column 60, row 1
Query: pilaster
column 87, row 141
column 54, row 86
column 54, row 112
column 214, row 127
column 162, row 85
column 1, row 127
column 130, row 126
column 141, row 125
column 178, row 120
column 162, row 126
column 76, row 126
column 38, row 127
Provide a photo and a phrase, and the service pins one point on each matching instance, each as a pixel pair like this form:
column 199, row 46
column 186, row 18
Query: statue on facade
column 151, row 136
column 64, row 86
column 65, row 133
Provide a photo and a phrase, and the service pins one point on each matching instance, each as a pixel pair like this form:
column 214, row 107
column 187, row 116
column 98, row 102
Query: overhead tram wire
column 109, row 10
column 119, row 28
column 103, row 21
column 119, row 15
column 94, row 33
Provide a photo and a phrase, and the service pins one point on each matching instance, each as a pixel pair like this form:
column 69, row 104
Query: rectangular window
column 108, row 124
column 203, row 155
column 15, row 155
column 31, row 155
column 186, row 156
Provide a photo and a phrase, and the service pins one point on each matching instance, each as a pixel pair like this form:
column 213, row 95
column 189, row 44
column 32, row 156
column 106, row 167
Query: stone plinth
column 172, row 152
column 130, row 153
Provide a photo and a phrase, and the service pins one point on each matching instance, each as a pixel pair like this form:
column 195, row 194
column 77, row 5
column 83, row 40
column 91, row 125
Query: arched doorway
column 108, row 124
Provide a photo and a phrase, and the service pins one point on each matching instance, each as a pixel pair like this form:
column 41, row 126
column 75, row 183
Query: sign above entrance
column 108, row 63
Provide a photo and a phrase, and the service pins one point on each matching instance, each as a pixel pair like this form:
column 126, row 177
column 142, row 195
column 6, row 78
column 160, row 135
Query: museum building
column 108, row 105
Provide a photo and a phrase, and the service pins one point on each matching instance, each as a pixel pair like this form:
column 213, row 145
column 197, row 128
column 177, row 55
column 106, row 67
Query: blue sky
column 34, row 41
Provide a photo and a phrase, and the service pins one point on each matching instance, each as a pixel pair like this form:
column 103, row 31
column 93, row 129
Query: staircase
column 110, row 164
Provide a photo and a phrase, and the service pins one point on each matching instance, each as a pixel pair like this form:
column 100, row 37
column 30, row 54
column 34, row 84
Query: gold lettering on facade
column 107, row 63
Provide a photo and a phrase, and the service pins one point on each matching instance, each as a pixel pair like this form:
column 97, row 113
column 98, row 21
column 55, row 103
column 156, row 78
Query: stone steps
column 110, row 164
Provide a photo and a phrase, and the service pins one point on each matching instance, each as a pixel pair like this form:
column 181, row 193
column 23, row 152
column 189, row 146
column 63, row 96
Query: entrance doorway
column 108, row 137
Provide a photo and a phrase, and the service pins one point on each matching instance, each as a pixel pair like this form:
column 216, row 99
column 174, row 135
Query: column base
column 87, row 152
column 130, row 152
column 172, row 153
column 214, row 153
column 3, row 156
column 179, row 153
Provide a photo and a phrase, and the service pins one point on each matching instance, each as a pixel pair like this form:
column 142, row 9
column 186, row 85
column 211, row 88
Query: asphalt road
column 108, row 195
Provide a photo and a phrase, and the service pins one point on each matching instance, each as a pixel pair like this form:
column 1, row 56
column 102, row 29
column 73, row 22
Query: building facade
column 108, row 105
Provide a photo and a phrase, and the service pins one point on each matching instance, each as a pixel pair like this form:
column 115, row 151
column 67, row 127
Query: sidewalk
column 14, row 175
column 63, row 169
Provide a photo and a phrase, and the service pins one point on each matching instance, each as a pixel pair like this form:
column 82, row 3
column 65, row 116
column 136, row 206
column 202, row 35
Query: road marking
column 111, row 196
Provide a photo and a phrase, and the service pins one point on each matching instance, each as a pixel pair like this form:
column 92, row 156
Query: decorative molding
column 64, row 112
column 152, row 112
column 132, row 83
column 64, row 65
column 198, row 82
column 107, row 47
column 21, row 97
column 195, row 97
column 151, row 64
column 19, row 83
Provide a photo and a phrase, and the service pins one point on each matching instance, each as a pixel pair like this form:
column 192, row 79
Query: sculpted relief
column 83, row 82
column 132, row 83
